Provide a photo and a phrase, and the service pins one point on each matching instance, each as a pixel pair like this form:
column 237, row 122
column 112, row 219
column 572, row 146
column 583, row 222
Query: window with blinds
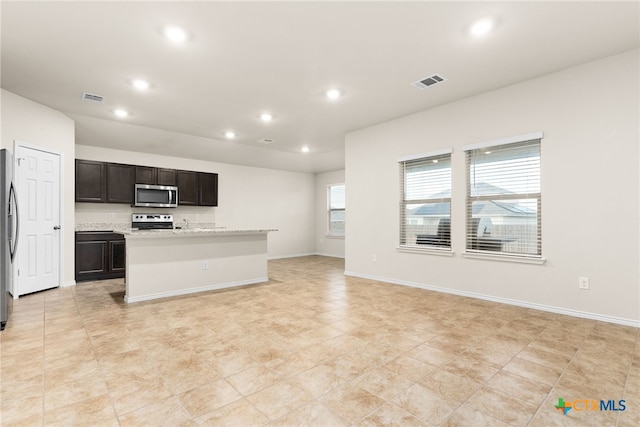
column 503, row 198
column 425, row 205
column 336, row 204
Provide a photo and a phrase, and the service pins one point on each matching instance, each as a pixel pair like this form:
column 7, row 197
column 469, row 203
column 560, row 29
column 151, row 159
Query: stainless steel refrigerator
column 8, row 234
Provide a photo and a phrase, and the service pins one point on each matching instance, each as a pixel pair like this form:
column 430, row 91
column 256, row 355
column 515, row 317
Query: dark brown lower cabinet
column 99, row 255
column 116, row 256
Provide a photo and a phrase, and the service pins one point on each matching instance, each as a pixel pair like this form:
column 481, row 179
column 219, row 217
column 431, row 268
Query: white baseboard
column 301, row 255
column 541, row 307
column 68, row 284
column 195, row 290
column 329, row 255
column 290, row 256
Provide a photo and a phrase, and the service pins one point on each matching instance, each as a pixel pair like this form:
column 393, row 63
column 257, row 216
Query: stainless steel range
column 151, row 221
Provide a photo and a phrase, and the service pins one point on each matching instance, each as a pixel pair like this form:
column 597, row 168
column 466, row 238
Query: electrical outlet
column 374, row 258
column 205, row 265
column 583, row 283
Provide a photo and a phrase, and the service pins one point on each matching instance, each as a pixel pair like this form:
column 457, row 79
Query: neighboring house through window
column 503, row 197
column 425, row 205
column 336, row 204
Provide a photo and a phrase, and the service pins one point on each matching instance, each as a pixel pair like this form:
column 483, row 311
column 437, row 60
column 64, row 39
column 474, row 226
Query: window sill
column 507, row 258
column 334, row 236
column 425, row 251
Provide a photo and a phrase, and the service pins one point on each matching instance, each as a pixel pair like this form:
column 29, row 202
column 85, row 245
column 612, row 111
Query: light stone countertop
column 195, row 229
column 126, row 226
column 103, row 226
column 128, row 234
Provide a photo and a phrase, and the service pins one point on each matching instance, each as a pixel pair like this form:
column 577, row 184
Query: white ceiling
column 243, row 58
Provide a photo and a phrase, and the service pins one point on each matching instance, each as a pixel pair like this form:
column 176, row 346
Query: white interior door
column 38, row 190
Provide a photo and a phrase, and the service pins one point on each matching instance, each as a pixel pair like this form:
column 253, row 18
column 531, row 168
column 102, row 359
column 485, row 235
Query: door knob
column 56, row 227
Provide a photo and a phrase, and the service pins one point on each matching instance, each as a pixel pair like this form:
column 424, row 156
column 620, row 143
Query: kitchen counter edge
column 128, row 234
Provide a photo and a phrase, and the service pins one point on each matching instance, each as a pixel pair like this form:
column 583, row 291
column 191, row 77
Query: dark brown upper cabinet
column 155, row 176
column 187, row 188
column 120, row 180
column 207, row 189
column 167, row 176
column 146, row 175
column 102, row 182
column 91, row 181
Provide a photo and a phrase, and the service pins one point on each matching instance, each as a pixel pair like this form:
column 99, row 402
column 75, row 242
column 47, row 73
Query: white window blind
column 425, row 205
column 504, row 200
column 336, row 204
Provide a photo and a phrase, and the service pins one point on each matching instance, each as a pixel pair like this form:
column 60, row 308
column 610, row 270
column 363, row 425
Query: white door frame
column 21, row 144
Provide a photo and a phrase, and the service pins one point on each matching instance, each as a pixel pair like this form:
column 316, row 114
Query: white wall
column 329, row 246
column 590, row 191
column 26, row 121
column 249, row 197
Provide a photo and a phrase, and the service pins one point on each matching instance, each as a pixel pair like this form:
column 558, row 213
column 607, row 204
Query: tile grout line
column 633, row 358
column 481, row 384
column 84, row 325
column 44, row 358
column 555, row 384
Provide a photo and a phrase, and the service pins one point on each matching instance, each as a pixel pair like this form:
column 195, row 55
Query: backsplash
column 98, row 216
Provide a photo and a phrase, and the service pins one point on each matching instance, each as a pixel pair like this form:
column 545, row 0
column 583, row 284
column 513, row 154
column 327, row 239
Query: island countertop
column 188, row 232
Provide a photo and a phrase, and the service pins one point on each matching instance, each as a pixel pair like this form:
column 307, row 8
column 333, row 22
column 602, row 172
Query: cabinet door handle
column 56, row 227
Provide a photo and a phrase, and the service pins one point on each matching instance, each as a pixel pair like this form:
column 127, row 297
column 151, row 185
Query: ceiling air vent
column 92, row 97
column 429, row 81
column 266, row 141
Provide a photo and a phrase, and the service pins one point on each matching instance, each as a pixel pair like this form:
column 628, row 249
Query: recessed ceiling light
column 230, row 134
column 333, row 94
column 175, row 34
column 305, row 149
column 481, row 27
column 266, row 117
column 120, row 112
column 140, row 84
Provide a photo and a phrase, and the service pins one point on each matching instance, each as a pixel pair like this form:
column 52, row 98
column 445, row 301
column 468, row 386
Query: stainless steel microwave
column 156, row 196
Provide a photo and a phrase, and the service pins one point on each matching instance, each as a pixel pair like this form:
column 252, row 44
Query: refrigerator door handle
column 13, row 238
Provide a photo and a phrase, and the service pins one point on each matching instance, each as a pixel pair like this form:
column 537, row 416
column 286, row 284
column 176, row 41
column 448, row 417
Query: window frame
column 501, row 144
column 403, row 162
column 331, row 233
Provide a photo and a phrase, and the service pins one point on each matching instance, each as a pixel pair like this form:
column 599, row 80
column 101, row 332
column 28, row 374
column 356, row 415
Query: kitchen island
column 165, row 263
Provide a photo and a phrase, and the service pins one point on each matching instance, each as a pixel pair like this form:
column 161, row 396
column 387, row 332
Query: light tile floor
column 310, row 347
